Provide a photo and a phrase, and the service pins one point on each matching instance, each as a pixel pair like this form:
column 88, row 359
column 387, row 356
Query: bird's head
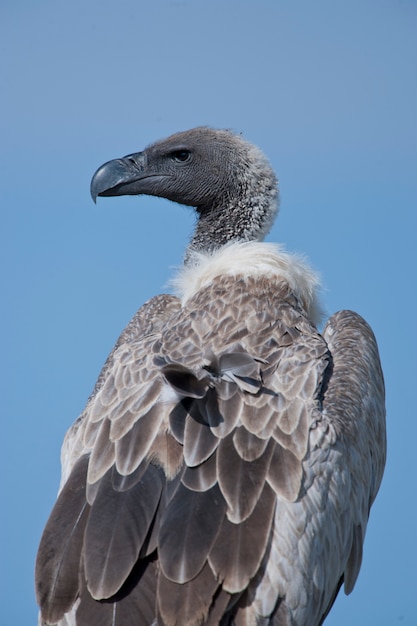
column 228, row 180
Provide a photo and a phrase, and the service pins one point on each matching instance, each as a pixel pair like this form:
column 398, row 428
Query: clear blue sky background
column 327, row 89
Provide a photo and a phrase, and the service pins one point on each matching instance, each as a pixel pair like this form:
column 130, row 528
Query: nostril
column 135, row 161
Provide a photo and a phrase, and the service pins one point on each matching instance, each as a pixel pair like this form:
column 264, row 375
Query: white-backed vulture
column 224, row 467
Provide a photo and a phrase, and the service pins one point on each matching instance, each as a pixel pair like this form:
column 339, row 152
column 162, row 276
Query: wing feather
column 137, row 442
column 103, row 454
column 58, row 559
column 241, row 482
column 177, row 418
column 285, row 473
column 248, row 446
column 117, row 526
column 240, row 548
column 189, row 527
column 201, row 477
column 133, row 605
column 187, row 604
column 199, row 440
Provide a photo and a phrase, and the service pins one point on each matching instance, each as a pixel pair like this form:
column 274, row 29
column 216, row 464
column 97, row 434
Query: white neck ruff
column 251, row 258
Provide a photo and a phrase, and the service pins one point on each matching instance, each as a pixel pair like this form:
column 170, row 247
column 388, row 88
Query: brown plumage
column 226, row 462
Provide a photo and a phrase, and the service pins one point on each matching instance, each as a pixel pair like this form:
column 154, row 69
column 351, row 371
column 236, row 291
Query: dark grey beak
column 119, row 177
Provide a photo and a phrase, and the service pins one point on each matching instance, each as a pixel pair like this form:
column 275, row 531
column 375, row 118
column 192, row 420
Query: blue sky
column 327, row 89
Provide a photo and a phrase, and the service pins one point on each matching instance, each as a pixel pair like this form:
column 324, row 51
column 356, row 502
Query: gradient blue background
column 327, row 89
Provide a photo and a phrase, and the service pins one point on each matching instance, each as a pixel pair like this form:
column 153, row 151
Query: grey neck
column 248, row 216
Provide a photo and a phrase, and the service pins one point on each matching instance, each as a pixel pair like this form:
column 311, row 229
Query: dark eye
column 180, row 155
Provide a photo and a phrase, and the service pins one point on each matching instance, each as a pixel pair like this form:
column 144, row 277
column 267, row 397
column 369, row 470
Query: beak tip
column 98, row 184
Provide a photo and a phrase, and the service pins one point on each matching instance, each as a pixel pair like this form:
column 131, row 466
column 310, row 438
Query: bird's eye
column 180, row 155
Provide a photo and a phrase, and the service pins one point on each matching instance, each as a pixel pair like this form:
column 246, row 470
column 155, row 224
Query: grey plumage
column 224, row 467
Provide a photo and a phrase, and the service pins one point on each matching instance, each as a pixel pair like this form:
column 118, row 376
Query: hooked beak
column 120, row 177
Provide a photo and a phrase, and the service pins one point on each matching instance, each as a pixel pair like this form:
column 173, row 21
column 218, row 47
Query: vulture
column 223, row 470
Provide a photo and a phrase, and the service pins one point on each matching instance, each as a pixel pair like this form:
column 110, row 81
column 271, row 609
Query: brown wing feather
column 117, row 527
column 58, row 557
column 199, row 440
column 239, row 548
column 201, row 477
column 189, row 527
column 133, row 605
column 189, row 604
column 241, row 482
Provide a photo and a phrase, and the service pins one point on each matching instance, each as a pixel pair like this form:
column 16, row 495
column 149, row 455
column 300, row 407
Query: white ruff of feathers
column 251, row 258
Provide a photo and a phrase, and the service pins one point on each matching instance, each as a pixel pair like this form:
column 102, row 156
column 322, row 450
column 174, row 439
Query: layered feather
column 211, row 442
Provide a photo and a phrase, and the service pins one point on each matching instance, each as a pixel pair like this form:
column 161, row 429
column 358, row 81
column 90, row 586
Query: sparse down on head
column 224, row 467
column 228, row 181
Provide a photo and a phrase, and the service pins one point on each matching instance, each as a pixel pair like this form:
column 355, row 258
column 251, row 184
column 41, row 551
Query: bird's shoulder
column 126, row 356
